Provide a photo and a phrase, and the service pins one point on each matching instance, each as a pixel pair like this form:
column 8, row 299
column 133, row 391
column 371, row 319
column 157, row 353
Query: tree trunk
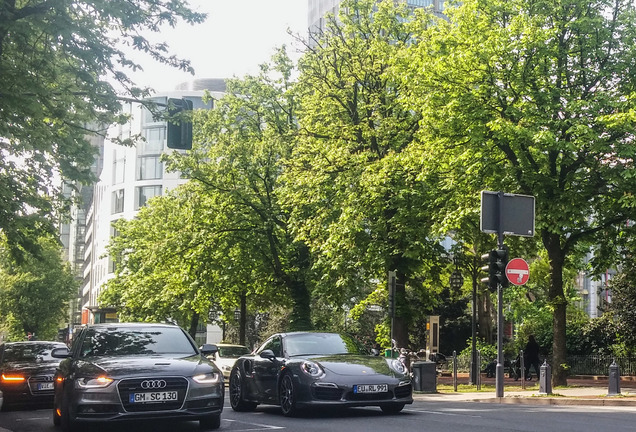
column 400, row 322
column 243, row 318
column 300, row 318
column 194, row 324
column 557, row 297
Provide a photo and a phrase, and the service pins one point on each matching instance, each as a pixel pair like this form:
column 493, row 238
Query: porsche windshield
column 322, row 344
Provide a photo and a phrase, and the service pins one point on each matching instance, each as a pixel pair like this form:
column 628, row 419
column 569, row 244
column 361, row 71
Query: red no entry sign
column 517, row 271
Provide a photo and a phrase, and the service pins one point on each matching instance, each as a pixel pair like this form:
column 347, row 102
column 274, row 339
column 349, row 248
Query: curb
column 562, row 401
column 528, row 400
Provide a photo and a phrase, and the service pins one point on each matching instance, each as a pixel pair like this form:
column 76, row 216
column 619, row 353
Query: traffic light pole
column 499, row 372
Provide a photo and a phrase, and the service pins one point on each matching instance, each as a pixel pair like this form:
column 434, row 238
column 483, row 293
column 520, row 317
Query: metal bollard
column 455, row 370
column 478, row 369
column 522, row 371
column 545, row 381
column 614, row 380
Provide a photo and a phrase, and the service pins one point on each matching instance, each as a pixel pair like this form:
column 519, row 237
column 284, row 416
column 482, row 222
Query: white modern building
column 317, row 11
column 128, row 176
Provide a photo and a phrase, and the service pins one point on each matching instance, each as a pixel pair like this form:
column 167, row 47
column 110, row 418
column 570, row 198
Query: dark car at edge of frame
column 136, row 372
column 299, row 370
column 26, row 372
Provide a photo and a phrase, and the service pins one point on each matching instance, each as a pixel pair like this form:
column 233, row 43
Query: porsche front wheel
column 287, row 395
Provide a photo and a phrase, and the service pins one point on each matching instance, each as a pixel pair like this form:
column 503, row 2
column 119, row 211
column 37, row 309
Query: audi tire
column 212, row 422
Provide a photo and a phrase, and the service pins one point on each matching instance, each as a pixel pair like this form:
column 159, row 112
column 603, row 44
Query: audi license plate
column 166, row 396
column 371, row 388
column 45, row 386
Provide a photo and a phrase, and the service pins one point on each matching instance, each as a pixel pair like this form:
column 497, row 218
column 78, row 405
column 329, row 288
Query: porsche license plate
column 153, row 397
column 371, row 388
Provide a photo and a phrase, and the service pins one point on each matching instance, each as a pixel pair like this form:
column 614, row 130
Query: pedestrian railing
column 577, row 365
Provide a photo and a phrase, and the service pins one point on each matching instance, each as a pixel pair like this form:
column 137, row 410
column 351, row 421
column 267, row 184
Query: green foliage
column 60, row 64
column 353, row 200
column 515, row 96
column 486, row 350
column 623, row 305
column 165, row 261
column 240, row 152
column 35, row 292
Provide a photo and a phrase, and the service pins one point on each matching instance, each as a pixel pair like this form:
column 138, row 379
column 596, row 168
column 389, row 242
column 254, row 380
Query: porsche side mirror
column 268, row 354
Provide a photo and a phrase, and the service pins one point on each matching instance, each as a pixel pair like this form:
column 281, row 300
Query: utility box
column 425, row 377
column 432, row 328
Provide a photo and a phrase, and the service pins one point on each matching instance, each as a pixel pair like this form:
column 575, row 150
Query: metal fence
column 599, row 365
column 578, row 365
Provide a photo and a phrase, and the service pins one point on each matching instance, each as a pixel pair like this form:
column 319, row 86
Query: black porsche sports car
column 303, row 369
column 136, row 371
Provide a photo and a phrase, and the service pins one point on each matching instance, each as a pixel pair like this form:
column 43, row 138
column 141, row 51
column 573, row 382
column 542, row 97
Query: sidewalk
column 580, row 391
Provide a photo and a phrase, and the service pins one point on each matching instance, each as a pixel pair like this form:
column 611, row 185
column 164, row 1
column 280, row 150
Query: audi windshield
column 118, row 341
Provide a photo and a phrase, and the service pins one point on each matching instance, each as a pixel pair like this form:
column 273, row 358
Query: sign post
column 502, row 214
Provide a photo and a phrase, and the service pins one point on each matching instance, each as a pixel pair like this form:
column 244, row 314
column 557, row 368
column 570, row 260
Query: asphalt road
column 423, row 416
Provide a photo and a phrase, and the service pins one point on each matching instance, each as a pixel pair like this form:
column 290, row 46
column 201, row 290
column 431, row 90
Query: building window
column 144, row 193
column 154, row 141
column 117, row 201
column 150, row 168
column 119, row 167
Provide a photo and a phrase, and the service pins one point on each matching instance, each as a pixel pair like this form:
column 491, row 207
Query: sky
column 236, row 38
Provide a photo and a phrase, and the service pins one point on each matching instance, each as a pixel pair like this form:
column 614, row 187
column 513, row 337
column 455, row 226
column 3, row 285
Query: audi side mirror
column 208, row 349
column 60, row 353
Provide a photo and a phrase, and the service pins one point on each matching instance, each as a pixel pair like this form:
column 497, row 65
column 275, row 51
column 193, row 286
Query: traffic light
column 179, row 125
column 497, row 260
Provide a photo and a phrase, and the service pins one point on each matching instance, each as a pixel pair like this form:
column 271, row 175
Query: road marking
column 443, row 413
column 259, row 426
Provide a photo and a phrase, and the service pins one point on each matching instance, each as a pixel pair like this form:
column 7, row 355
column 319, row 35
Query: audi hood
column 118, row 367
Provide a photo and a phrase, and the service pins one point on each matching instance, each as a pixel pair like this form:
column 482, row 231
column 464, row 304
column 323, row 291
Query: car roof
column 307, row 332
column 229, row 345
column 131, row 325
column 37, row 342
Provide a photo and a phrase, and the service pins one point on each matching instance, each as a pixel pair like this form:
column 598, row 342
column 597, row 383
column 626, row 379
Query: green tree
column 35, row 292
column 166, row 262
column 62, row 63
column 239, row 155
column 623, row 304
column 362, row 211
column 518, row 97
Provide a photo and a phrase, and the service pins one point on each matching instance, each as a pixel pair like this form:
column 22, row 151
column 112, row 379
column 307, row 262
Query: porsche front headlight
column 398, row 366
column 312, row 369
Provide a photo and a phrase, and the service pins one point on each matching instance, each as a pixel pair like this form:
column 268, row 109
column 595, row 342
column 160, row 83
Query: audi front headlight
column 88, row 383
column 208, row 378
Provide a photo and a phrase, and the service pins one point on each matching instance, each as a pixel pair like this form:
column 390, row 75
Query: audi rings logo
column 153, row 384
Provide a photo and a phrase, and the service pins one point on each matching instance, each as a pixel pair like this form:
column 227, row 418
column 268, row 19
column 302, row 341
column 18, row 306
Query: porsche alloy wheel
column 392, row 408
column 287, row 394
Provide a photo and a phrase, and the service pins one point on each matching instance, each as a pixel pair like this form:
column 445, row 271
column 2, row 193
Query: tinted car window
column 322, row 344
column 233, row 351
column 118, row 341
column 28, row 352
column 275, row 345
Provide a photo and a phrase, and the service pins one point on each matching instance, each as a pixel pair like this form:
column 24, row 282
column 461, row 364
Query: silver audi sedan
column 136, row 371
